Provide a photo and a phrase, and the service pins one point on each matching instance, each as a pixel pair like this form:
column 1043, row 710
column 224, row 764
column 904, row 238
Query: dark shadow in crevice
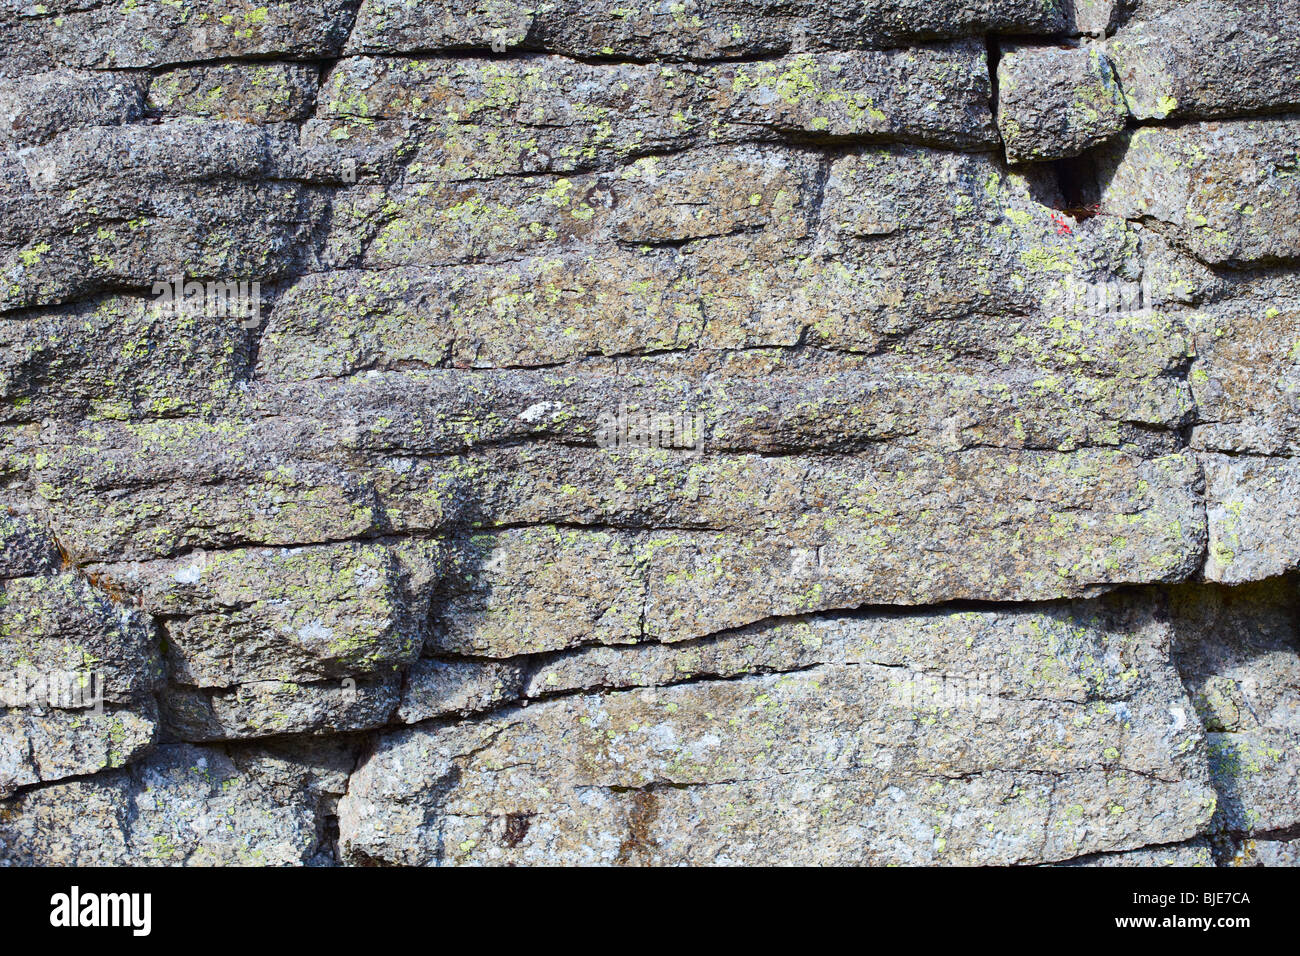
column 1072, row 186
column 993, row 47
column 1079, row 184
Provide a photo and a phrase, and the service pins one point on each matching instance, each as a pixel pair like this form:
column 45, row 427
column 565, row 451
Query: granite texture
column 696, row 433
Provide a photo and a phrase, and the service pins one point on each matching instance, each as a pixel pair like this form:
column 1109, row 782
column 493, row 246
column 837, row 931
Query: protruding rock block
column 78, row 670
column 1055, row 103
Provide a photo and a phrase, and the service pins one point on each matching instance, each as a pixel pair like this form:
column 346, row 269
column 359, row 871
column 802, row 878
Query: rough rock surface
column 707, row 432
column 1224, row 191
column 1208, row 58
column 1034, row 83
column 871, row 739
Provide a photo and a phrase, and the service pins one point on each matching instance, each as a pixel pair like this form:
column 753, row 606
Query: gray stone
column 1205, row 58
column 65, row 624
column 1226, row 192
column 27, row 547
column 131, row 206
column 852, row 761
column 440, row 688
column 1272, row 852
column 1105, row 528
column 36, row 108
column 1244, row 384
column 275, row 708
column 1237, row 653
column 1056, row 103
column 667, row 435
column 152, row 33
column 39, row 745
column 1192, row 853
column 1251, row 504
column 77, row 674
column 292, row 614
column 260, row 93
column 183, row 805
column 1246, row 376
column 118, row 357
column 1096, row 17
column 468, row 119
column 1088, row 651
column 260, row 498
column 703, row 29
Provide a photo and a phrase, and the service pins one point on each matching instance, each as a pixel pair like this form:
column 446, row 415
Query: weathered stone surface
column 98, row 480
column 36, row 108
column 852, row 757
column 1265, row 853
column 1057, row 103
column 77, row 674
column 118, row 357
column 705, row 29
column 1255, row 773
column 1206, row 58
column 468, row 119
column 735, row 248
column 1096, row 17
column 1244, row 381
column 18, row 444
column 274, row 708
column 183, row 805
column 134, row 205
column 670, row 434
column 1078, row 653
column 26, row 547
column 1251, row 514
column 1246, row 376
column 261, row 93
column 686, row 583
column 1058, row 659
column 1192, row 853
column 1226, row 192
column 38, row 745
column 1239, row 658
column 150, row 33
column 232, row 489
column 64, row 624
column 292, row 614
column 437, row 688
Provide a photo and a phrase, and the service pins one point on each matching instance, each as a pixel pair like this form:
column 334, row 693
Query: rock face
column 869, row 739
column 1207, row 58
column 1034, row 83
column 712, row 433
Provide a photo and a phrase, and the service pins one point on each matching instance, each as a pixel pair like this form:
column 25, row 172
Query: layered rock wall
column 701, row 432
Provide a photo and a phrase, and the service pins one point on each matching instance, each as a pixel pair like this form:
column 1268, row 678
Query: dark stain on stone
column 517, row 825
column 645, row 808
